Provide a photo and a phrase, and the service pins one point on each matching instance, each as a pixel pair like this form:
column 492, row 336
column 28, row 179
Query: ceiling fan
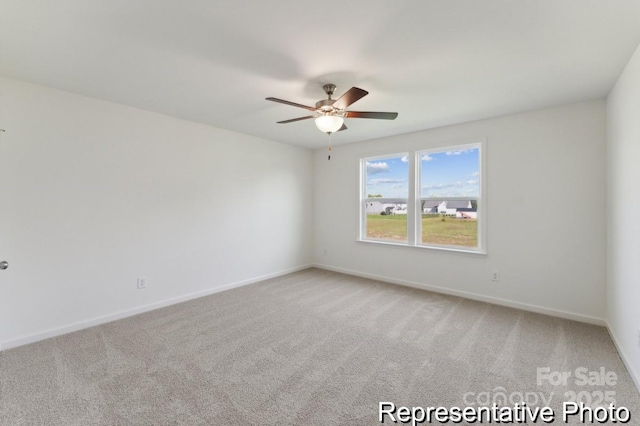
column 329, row 114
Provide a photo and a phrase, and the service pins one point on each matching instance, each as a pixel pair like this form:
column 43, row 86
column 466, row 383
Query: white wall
column 623, row 175
column 546, row 213
column 94, row 194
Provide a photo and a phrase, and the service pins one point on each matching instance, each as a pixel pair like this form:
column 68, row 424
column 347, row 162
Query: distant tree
column 474, row 204
column 374, row 195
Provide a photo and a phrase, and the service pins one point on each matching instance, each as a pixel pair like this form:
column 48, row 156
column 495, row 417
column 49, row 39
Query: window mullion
column 411, row 201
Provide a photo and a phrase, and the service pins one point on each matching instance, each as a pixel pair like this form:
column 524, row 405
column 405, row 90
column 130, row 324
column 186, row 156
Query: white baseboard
column 474, row 296
column 632, row 372
column 69, row 328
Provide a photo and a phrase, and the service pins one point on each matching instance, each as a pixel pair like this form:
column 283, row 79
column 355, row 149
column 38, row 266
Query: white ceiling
column 214, row 61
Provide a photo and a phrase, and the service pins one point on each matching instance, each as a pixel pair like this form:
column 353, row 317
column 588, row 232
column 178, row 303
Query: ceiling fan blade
column 344, row 127
column 296, row 119
column 350, row 97
column 371, row 114
column 282, row 101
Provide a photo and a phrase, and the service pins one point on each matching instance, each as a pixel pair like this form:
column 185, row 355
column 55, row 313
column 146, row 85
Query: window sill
column 421, row 247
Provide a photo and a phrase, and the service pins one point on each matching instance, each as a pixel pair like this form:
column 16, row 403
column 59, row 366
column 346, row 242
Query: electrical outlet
column 142, row 283
column 495, row 276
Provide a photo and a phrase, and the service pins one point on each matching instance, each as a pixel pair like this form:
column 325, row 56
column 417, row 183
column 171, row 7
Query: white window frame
column 414, row 205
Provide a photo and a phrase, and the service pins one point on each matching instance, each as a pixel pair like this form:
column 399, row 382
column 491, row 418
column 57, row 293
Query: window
column 386, row 193
column 429, row 198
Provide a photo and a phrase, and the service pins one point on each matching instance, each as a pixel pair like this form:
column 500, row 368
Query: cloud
column 450, row 185
column 426, row 157
column 460, row 151
column 444, row 186
column 457, row 189
column 452, row 190
column 385, row 180
column 379, row 167
column 475, row 174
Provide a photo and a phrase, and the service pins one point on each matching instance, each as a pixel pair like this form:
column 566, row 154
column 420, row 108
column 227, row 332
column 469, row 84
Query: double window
column 428, row 198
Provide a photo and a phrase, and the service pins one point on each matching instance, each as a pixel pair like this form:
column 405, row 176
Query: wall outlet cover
column 142, row 283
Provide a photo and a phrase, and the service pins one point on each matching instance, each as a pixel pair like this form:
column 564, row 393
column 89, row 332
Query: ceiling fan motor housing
column 325, row 105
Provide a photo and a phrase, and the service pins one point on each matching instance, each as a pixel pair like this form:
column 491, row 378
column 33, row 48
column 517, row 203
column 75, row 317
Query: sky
column 444, row 174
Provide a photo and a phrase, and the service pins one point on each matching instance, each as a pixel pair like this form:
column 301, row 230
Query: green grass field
column 451, row 231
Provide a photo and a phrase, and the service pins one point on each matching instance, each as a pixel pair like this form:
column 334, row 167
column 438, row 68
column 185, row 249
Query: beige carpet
column 313, row 347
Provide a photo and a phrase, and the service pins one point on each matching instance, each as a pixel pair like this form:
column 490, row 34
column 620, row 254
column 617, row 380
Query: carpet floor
column 310, row 348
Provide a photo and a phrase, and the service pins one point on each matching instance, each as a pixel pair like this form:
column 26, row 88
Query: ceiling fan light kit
column 329, row 123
